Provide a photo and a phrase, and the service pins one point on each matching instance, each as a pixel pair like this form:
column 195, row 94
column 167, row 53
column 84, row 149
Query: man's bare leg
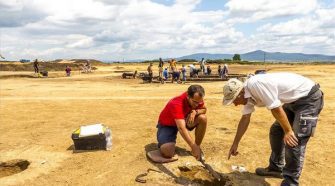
column 165, row 154
column 168, row 150
column 200, row 125
column 200, row 129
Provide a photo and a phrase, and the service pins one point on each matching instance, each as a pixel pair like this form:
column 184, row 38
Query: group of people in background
column 85, row 68
column 179, row 75
column 37, row 69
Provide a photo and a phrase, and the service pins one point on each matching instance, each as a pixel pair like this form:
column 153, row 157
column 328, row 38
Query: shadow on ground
column 233, row 178
column 71, row 148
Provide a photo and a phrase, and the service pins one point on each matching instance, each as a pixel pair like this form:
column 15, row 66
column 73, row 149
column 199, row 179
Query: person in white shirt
column 202, row 66
column 295, row 102
column 193, row 70
column 225, row 71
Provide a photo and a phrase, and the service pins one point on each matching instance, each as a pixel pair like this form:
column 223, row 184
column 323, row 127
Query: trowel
column 209, row 168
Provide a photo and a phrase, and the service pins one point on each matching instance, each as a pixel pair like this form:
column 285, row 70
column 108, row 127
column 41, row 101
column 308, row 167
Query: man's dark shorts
column 168, row 134
column 176, row 75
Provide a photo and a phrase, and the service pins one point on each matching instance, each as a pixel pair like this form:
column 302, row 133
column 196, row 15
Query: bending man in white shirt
column 295, row 102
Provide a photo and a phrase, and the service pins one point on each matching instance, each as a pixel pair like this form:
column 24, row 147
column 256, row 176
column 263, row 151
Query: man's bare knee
column 168, row 150
column 202, row 119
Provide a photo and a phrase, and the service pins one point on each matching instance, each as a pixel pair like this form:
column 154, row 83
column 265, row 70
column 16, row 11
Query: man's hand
column 290, row 139
column 190, row 119
column 233, row 150
column 196, row 152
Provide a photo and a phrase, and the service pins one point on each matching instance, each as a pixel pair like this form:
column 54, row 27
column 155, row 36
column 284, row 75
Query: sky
column 117, row 30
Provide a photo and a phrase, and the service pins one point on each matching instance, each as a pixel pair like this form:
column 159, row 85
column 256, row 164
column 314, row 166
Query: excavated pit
column 11, row 167
column 198, row 175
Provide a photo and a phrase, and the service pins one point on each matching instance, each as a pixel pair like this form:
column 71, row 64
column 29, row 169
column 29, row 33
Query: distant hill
column 258, row 55
column 199, row 56
column 78, row 61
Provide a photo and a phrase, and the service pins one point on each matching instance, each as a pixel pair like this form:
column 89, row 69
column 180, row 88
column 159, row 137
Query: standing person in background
column 173, row 65
column 170, row 65
column 202, row 66
column 88, row 66
column 68, row 71
column 193, row 70
column 183, row 71
column 36, row 66
column 150, row 72
column 160, row 67
column 209, row 70
column 219, row 70
column 224, row 71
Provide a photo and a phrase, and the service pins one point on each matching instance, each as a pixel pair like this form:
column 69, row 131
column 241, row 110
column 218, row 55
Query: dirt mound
column 47, row 66
column 56, row 65
column 65, row 61
column 13, row 167
column 91, row 61
column 84, row 61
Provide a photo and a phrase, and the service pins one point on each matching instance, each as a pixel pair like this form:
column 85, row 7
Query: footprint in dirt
column 226, row 130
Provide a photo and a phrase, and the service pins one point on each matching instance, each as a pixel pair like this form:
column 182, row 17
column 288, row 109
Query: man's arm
column 202, row 110
column 289, row 137
column 181, row 125
column 242, row 127
column 184, row 132
column 195, row 113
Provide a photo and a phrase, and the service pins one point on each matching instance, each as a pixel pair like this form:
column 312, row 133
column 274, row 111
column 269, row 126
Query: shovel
column 209, row 168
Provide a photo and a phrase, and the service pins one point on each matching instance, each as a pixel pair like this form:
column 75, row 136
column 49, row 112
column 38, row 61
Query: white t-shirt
column 192, row 67
column 202, row 62
column 273, row 89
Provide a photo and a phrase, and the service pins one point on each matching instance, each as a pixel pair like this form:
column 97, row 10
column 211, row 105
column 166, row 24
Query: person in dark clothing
column 209, row 70
column 68, row 71
column 175, row 76
column 225, row 71
column 36, row 66
column 219, row 70
column 150, row 72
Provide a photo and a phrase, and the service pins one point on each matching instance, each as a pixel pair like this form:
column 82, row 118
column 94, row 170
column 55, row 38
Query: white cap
column 231, row 90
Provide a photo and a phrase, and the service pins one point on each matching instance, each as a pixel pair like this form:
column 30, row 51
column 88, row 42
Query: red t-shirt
column 176, row 108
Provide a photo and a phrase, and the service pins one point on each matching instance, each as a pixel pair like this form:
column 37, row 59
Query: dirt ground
column 38, row 115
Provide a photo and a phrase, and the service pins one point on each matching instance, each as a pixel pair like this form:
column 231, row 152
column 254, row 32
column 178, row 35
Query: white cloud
column 326, row 17
column 311, row 33
column 18, row 13
column 245, row 10
column 115, row 29
column 81, row 42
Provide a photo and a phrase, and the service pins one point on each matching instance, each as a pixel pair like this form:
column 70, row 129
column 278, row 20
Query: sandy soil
column 38, row 115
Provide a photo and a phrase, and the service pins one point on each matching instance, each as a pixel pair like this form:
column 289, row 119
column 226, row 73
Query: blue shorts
column 176, row 75
column 166, row 134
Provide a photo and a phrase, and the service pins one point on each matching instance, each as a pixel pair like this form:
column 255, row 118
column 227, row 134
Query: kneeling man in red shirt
column 182, row 113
